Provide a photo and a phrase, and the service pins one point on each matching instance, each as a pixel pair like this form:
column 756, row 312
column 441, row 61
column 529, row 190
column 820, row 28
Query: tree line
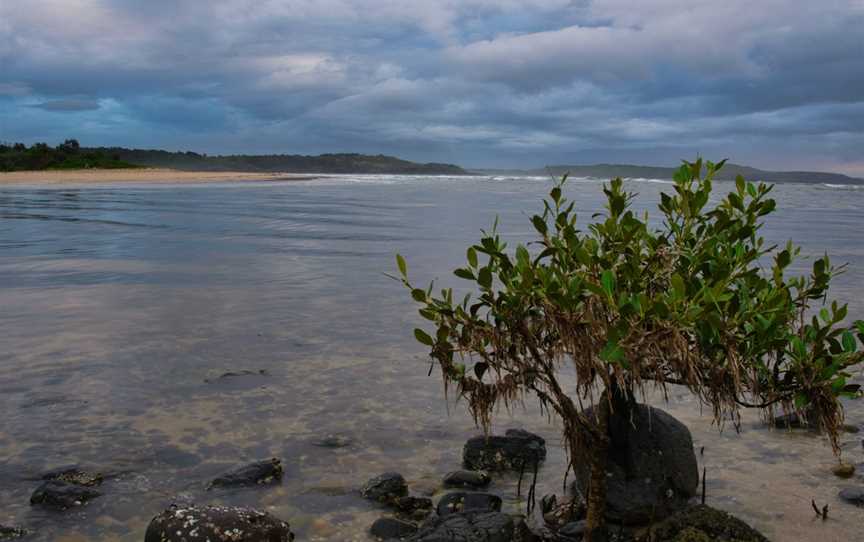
column 66, row 155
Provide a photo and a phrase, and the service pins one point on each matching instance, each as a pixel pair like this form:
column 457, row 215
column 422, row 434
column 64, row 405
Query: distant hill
column 292, row 163
column 728, row 172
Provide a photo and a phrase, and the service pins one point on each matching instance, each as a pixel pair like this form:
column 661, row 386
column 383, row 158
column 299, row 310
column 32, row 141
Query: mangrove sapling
column 701, row 302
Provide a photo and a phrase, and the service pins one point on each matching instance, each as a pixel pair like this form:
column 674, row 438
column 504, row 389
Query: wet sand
column 142, row 176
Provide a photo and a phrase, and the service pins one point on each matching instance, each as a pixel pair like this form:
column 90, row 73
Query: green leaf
column 423, row 337
column 607, row 279
column 463, row 273
column 824, row 315
column 679, row 289
column 612, row 353
column 472, row 256
column 848, row 341
column 484, row 279
column 740, row 184
column 403, row 268
column 418, row 295
column 522, row 256
column 539, row 224
column 428, row 314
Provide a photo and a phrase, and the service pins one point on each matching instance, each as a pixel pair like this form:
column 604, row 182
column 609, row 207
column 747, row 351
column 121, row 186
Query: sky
column 481, row 83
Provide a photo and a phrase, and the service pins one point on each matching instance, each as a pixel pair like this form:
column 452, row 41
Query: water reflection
column 123, row 305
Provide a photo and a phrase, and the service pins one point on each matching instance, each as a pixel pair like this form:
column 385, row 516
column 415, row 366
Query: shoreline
column 140, row 176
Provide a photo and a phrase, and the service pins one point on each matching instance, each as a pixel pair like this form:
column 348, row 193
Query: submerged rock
column 702, row 523
column 793, row 420
column 392, row 528
column 413, row 507
column 515, row 449
column 843, row 470
column 8, row 533
column 216, row 524
column 62, row 495
column 385, row 488
column 467, row 478
column 334, row 441
column 652, row 470
column 467, row 527
column 263, row 472
column 573, row 530
column 853, row 495
column 74, row 475
column 454, row 503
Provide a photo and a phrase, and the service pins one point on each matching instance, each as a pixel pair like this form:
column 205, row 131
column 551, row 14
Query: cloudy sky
column 776, row 84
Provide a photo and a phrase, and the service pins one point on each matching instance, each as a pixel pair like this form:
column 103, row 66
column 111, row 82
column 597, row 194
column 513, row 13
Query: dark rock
column 259, row 473
column 413, row 507
column 62, row 495
column 216, row 524
column 454, row 503
column 467, row 478
column 853, row 495
column 392, row 528
column 700, row 523
column 8, row 533
column 244, row 372
column 74, row 475
column 652, row 470
column 573, row 530
column 467, row 527
column 517, row 448
column 385, row 488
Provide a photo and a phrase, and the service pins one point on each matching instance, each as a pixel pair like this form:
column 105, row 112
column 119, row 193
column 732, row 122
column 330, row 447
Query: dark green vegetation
column 67, row 155
column 728, row 173
column 702, row 302
column 325, row 163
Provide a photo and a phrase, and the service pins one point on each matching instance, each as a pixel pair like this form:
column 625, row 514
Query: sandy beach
column 142, row 176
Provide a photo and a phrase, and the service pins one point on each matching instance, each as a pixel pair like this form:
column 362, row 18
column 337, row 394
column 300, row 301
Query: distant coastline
column 727, row 173
column 141, row 175
column 70, row 155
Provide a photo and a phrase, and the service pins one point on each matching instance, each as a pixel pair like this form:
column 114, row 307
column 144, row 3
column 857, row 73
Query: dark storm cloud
column 497, row 82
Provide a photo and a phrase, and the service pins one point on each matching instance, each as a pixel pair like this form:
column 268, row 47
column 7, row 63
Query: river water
column 122, row 305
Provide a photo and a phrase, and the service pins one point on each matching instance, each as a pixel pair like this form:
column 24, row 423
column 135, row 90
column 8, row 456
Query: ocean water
column 122, row 305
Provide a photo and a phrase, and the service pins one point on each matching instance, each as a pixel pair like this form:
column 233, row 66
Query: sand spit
column 142, row 176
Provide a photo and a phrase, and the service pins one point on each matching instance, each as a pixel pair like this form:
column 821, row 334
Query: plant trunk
column 596, row 518
column 613, row 415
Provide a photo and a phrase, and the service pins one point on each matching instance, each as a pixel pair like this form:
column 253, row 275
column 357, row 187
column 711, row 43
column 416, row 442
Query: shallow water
column 122, row 306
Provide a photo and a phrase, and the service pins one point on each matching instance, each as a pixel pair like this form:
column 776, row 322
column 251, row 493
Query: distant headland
column 728, row 172
column 70, row 155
